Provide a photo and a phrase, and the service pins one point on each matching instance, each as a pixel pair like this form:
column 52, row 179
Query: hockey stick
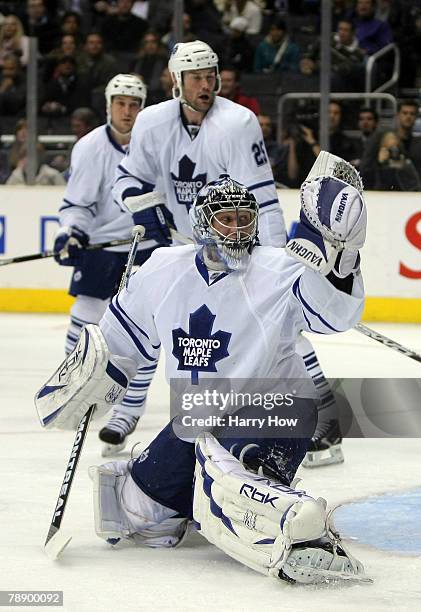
column 56, row 540
column 44, row 254
column 387, row 342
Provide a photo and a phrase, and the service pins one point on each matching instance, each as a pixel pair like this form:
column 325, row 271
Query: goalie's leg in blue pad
column 165, row 469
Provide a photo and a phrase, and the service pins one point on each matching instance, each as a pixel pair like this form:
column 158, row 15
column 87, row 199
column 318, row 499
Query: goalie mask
column 224, row 218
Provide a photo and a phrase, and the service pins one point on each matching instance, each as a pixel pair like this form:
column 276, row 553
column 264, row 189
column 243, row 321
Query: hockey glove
column 68, row 245
column 157, row 222
column 332, row 227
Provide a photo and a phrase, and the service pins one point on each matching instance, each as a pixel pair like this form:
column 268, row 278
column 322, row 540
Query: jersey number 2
column 259, row 153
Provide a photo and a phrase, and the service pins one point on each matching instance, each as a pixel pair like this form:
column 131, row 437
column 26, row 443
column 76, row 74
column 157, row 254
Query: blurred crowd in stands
column 267, row 48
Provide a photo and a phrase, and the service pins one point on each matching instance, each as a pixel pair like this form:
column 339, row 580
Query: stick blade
column 56, row 542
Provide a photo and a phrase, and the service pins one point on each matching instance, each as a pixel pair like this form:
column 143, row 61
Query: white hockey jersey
column 88, row 201
column 163, row 156
column 233, row 326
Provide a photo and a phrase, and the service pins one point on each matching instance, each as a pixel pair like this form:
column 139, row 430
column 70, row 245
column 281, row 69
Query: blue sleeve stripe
column 71, row 205
column 127, row 329
column 262, row 184
column 123, row 312
column 298, row 295
column 269, row 202
column 123, row 169
column 146, row 186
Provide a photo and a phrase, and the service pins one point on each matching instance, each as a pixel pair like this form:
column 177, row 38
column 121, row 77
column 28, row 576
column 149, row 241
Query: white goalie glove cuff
column 333, row 222
column 89, row 375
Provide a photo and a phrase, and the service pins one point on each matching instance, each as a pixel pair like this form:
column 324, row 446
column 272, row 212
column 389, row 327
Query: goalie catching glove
column 89, row 375
column 332, row 224
column 266, row 525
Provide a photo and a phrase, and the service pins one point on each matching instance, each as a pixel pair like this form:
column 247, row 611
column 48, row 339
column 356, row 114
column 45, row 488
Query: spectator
column 339, row 12
column 188, row 36
column 66, row 91
column 151, row 61
column 367, row 125
column 13, row 41
column 346, row 56
column 157, row 13
column 45, row 174
column 239, row 52
column 393, row 169
column 71, row 23
column 207, row 23
column 12, row 87
column 97, row 66
column 21, row 135
column 67, row 47
column 244, row 8
column 230, row 88
column 37, row 22
column 82, row 121
column 122, row 31
column 276, row 53
column 410, row 145
column 373, row 34
column 165, row 89
column 277, row 153
column 339, row 143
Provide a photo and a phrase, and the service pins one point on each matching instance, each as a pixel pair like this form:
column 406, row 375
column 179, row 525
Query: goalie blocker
column 89, row 375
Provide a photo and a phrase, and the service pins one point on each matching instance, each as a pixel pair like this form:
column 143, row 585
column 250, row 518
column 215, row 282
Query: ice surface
column 195, row 576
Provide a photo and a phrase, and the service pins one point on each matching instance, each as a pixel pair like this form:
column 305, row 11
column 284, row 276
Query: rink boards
column 391, row 258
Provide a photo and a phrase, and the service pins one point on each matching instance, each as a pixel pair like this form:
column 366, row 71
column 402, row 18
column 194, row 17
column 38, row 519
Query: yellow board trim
column 35, row 300
column 397, row 310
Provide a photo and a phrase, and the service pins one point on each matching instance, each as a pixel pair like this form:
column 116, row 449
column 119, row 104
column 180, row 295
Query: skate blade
column 329, row 456
column 109, row 450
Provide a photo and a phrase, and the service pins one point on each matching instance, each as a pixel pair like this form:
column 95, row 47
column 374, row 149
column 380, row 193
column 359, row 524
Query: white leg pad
column 123, row 510
column 258, row 521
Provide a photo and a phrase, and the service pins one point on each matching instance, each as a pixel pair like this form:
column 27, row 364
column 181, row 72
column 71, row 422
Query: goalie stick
column 57, row 540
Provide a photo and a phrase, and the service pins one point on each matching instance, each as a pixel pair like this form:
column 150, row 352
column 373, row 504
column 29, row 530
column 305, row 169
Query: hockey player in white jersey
column 178, row 146
column 88, row 214
column 238, row 320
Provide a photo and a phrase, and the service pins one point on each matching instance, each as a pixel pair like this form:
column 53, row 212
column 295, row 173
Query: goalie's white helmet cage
column 196, row 55
column 125, row 85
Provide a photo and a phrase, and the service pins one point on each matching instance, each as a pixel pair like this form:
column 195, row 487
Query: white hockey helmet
column 232, row 248
column 125, row 85
column 196, row 55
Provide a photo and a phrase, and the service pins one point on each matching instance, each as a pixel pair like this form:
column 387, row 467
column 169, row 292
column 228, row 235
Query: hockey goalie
column 235, row 489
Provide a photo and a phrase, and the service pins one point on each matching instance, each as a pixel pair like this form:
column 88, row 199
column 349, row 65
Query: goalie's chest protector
column 227, row 325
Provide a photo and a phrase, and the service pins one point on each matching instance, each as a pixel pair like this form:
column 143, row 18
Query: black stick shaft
column 63, row 496
column 44, row 254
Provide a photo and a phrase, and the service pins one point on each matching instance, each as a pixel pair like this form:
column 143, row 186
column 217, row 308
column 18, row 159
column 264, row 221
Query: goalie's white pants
column 88, row 309
column 123, row 510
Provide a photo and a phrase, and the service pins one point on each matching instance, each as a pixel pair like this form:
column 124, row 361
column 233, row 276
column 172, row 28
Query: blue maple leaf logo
column 186, row 186
column 200, row 349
